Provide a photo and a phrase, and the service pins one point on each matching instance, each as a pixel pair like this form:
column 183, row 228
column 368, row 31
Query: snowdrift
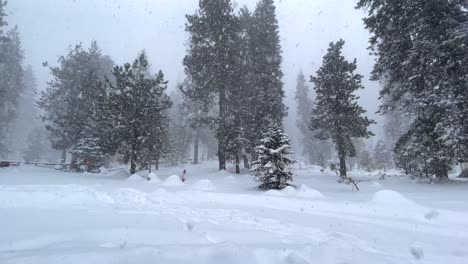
column 173, row 181
column 137, row 178
column 391, row 198
column 305, row 191
column 204, row 185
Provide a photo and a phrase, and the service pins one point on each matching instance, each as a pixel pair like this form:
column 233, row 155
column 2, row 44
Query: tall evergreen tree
column 200, row 116
column 139, row 108
column 421, row 50
column 212, row 32
column 337, row 116
column 304, row 112
column 11, row 80
column 266, row 56
column 181, row 133
column 241, row 121
column 72, row 98
column 26, row 117
column 317, row 152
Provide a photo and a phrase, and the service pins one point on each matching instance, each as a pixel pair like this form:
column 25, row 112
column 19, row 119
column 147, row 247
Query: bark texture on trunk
column 196, row 145
column 133, row 158
column 246, row 162
column 222, row 130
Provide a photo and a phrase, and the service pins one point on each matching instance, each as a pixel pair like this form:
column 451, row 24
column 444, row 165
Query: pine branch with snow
column 272, row 165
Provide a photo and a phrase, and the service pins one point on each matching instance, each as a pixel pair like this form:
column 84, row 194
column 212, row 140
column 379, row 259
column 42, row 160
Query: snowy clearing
column 50, row 216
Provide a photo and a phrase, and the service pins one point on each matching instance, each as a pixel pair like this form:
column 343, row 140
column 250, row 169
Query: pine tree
column 421, row 50
column 89, row 151
column 395, row 123
column 267, row 105
column 157, row 145
column 11, row 81
column 304, row 113
column 3, row 91
column 272, row 165
column 139, row 105
column 36, row 145
column 365, row 160
column 199, row 115
column 382, row 156
column 74, row 97
column 212, row 32
column 180, row 131
column 241, row 122
column 2, row 18
column 317, row 152
column 26, row 117
column 337, row 116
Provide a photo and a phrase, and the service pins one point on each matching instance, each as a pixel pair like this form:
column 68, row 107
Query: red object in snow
column 4, row 164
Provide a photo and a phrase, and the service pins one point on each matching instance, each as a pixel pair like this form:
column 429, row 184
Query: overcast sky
column 124, row 27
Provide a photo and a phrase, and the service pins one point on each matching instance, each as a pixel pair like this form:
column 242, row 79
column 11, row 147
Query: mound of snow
column 376, row 184
column 173, row 180
column 136, row 178
column 103, row 170
column 225, row 252
column 230, row 178
column 119, row 174
column 307, row 192
column 223, row 172
column 274, row 193
column 153, row 178
column 389, row 197
column 289, row 190
column 204, row 185
column 294, row 258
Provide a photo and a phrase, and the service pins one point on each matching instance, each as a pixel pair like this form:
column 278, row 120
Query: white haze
column 123, row 28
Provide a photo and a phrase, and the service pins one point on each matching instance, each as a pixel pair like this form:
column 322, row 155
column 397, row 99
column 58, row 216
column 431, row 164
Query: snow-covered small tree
column 272, row 165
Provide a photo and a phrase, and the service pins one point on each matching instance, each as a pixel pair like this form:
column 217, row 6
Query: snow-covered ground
column 48, row 216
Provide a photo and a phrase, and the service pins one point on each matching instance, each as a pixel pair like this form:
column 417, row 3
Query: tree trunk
column 222, row 130
column 246, row 162
column 133, row 160
column 73, row 162
column 342, row 156
column 237, row 164
column 196, row 144
column 343, row 166
column 156, row 164
column 221, row 156
column 64, row 158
